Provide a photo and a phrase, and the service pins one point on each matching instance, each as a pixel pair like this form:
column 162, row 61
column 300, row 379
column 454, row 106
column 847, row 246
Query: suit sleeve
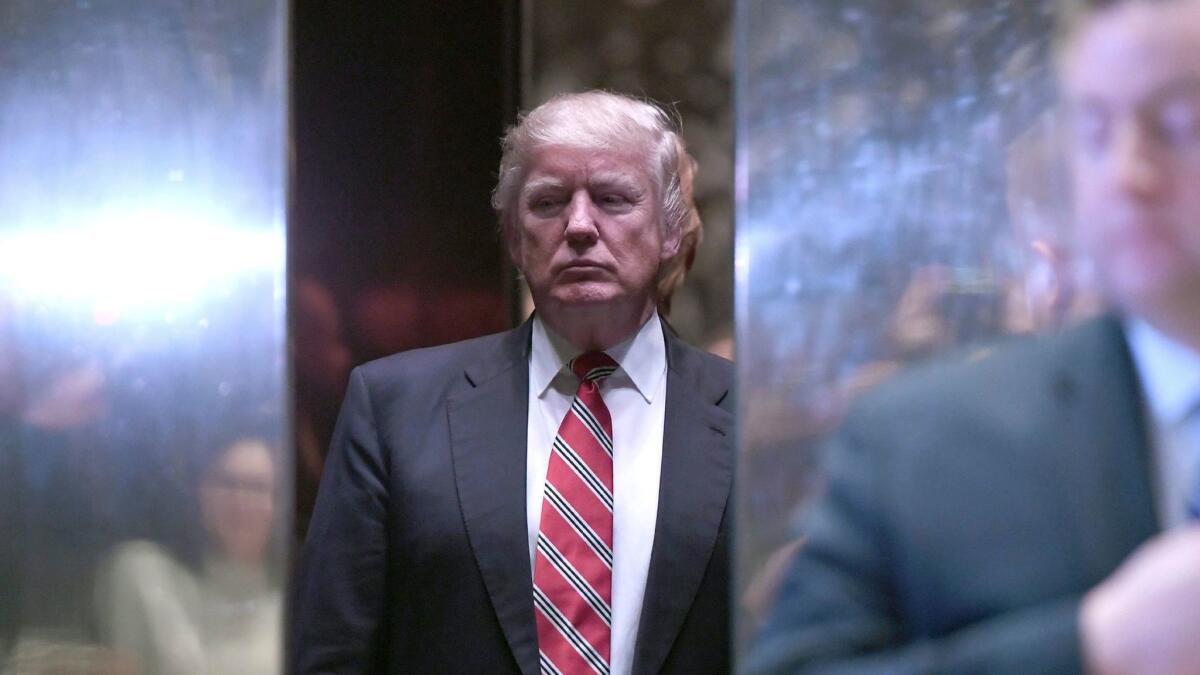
column 839, row 609
column 339, row 592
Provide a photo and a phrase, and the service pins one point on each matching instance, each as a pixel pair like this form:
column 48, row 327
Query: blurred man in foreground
column 1033, row 511
column 550, row 499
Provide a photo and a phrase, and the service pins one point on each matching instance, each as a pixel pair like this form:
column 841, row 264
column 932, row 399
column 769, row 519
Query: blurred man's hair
column 1072, row 13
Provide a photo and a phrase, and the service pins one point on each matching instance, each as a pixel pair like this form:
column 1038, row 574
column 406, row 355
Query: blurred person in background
column 52, row 524
column 1054, row 291
column 552, row 498
column 216, row 610
column 1034, row 511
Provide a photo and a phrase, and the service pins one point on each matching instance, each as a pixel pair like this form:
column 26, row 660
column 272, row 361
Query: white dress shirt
column 636, row 398
column 1170, row 377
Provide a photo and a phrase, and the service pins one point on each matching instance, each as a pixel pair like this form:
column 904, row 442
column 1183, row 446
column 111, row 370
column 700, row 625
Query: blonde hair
column 1073, row 13
column 691, row 233
column 597, row 120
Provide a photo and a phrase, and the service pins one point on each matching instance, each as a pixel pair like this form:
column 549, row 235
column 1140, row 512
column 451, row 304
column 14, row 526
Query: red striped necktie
column 572, row 573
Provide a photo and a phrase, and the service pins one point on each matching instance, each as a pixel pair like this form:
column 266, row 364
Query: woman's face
column 237, row 501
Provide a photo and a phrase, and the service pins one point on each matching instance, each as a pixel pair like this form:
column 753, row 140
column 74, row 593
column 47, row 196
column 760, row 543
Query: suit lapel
column 1102, row 439
column 489, row 448
column 697, row 474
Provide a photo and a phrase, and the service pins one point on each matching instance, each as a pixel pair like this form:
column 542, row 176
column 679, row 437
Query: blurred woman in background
column 216, row 612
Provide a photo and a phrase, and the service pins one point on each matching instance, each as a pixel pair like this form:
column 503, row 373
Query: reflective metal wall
column 144, row 493
column 898, row 196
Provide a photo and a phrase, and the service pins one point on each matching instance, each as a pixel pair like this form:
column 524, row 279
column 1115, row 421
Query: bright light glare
column 127, row 260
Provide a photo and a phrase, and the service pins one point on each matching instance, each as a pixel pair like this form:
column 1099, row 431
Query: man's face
column 1131, row 80
column 587, row 229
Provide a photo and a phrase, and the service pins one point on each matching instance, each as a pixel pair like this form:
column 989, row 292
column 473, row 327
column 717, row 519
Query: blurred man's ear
column 671, row 243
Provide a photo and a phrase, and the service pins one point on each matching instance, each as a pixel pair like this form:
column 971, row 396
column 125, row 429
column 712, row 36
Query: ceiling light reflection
column 127, row 261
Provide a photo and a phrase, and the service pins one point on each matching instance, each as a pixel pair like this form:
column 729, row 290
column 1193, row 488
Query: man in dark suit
column 1031, row 512
column 494, row 506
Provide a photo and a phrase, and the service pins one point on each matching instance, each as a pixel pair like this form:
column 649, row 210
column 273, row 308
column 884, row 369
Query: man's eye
column 613, row 199
column 1179, row 121
column 545, row 203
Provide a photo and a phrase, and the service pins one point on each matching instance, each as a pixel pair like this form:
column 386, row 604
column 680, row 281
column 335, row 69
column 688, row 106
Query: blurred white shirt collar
column 1170, row 376
column 1169, row 372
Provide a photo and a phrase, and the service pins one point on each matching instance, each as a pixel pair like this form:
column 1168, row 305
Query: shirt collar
column 1169, row 372
column 643, row 357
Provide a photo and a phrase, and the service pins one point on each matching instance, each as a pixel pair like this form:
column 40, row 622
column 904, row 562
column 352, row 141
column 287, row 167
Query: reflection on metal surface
column 898, row 196
column 219, row 609
column 142, row 510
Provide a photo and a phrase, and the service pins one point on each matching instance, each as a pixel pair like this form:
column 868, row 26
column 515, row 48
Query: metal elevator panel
column 899, row 195
column 145, row 492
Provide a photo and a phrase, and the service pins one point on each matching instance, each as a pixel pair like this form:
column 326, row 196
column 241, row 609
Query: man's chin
column 586, row 295
column 1159, row 296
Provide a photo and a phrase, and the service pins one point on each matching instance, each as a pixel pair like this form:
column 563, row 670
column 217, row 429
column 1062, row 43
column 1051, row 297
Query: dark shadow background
column 397, row 112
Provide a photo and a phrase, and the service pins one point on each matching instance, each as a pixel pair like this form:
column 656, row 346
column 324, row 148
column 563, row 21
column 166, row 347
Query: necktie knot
column 593, row 366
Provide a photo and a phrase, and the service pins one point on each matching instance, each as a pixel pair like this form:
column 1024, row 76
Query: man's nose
column 581, row 223
column 1136, row 162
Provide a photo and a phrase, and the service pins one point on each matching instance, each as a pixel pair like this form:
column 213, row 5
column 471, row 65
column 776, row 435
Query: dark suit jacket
column 969, row 507
column 417, row 558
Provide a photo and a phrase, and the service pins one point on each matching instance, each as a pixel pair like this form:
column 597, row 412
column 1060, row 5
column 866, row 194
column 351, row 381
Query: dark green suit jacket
column 969, row 508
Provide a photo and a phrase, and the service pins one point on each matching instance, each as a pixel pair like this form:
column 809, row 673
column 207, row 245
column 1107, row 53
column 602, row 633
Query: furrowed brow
column 539, row 184
column 619, row 181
